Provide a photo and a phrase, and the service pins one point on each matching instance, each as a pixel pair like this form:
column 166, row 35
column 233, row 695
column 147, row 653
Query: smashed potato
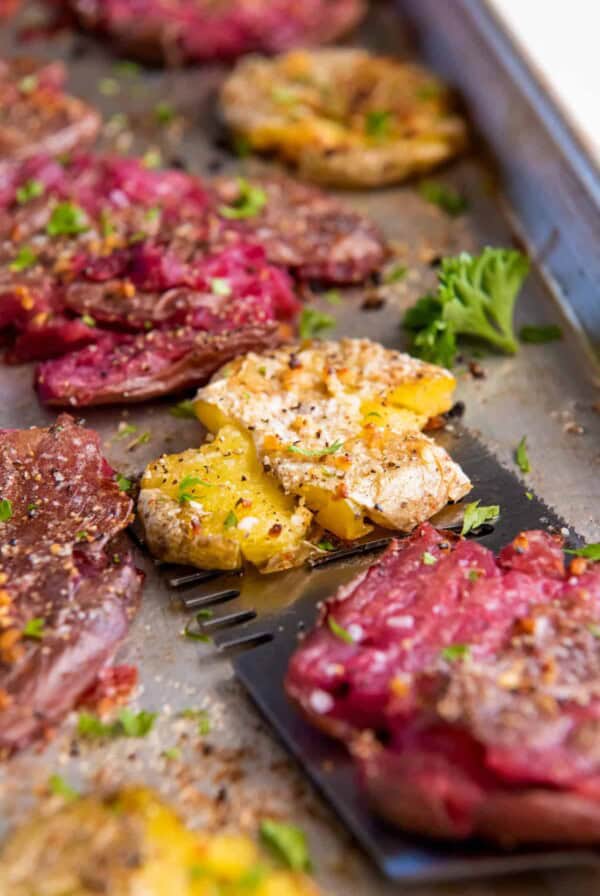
column 343, row 116
column 338, row 424
column 132, row 844
column 215, row 506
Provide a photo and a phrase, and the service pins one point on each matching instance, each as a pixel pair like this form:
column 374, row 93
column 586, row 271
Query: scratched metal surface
column 548, row 392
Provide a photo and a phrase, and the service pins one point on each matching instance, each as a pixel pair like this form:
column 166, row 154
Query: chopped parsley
column 317, row 452
column 537, row 335
column 184, row 409
column 67, row 219
column 231, row 520
column 164, row 113
column 34, row 628
column 126, row 429
column 446, row 198
column 475, row 574
column 59, row 787
column 333, row 296
column 31, row 189
column 127, row 724
column 88, row 320
column 313, row 322
column 588, row 551
column 152, row 158
column 326, row 546
column 250, row 201
column 28, row 84
column 378, row 123
column 455, row 652
column 199, row 715
column 172, row 753
column 187, row 483
column 521, row 456
column 339, row 631
column 476, row 516
column 284, row 95
column 193, row 634
column 395, row 274
column 123, row 483
column 109, row 87
column 529, row 496
column 287, row 842
column 25, row 258
column 220, row 286
column 127, row 67
column 82, row 535
column 6, row 511
column 476, row 296
column 428, row 559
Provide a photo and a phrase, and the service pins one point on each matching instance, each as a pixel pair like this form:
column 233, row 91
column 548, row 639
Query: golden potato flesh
column 214, row 506
column 343, row 116
column 132, row 844
column 338, row 424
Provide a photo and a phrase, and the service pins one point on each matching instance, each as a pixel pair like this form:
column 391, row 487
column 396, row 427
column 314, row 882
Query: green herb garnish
column 521, row 456
column 312, row 322
column 187, row 483
column 455, row 652
column 429, row 91
column 220, row 286
column 446, row 198
column 123, row 483
column 152, row 158
column 59, row 787
column 475, row 574
column 126, row 429
column 326, row 546
column 287, row 842
column 67, row 219
column 230, row 520
column 395, row 274
column 109, row 87
column 31, row 189
column 537, row 335
column 173, row 753
column 428, row 559
column 24, row 259
column 333, row 296
column 28, row 84
column 82, row 535
column 317, row 452
column 476, row 297
column 476, row 516
column 250, row 201
column 127, row 67
column 88, row 320
column 127, row 724
column 164, row 113
column 193, row 634
column 199, row 715
column 594, row 629
column 339, row 631
column 34, row 628
column 184, row 409
column 589, row 551
column 378, row 123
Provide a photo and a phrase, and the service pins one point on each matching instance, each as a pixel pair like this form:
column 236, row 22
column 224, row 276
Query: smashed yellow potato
column 132, row 844
column 343, row 116
column 338, row 424
column 215, row 506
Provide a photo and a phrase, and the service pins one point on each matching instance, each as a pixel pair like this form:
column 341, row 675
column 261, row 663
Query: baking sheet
column 238, row 772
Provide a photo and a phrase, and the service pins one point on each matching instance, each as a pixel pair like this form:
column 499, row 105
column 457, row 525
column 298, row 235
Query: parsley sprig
column 476, row 296
column 250, row 202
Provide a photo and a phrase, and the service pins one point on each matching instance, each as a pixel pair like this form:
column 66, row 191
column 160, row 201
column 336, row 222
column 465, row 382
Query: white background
column 562, row 40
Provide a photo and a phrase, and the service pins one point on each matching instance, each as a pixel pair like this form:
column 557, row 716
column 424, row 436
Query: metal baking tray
column 528, row 181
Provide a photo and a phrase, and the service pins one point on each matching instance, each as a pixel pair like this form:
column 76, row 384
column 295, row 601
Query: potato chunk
column 215, row 506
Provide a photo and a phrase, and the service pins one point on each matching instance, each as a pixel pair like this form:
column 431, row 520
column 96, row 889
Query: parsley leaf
column 339, row 631
column 231, row 520
column 455, row 652
column 521, row 456
column 288, row 842
column 476, row 297
column 475, row 516
column 67, row 219
column 317, row 452
column 184, row 409
column 127, row 724
column 88, row 320
column 446, row 198
column 25, row 258
column 378, row 123
column 312, row 322
column 395, row 274
column 220, row 286
column 34, row 628
column 199, row 715
column 326, row 545
column 164, row 113
column 59, row 787
column 428, row 559
column 123, row 483
column 537, row 335
column 187, row 483
column 31, row 189
column 250, row 201
column 126, row 429
column 333, row 297
column 172, row 753
column 589, row 551
column 5, row 510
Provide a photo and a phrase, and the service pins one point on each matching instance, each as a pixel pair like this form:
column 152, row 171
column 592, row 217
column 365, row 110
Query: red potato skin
column 70, row 569
column 498, row 742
